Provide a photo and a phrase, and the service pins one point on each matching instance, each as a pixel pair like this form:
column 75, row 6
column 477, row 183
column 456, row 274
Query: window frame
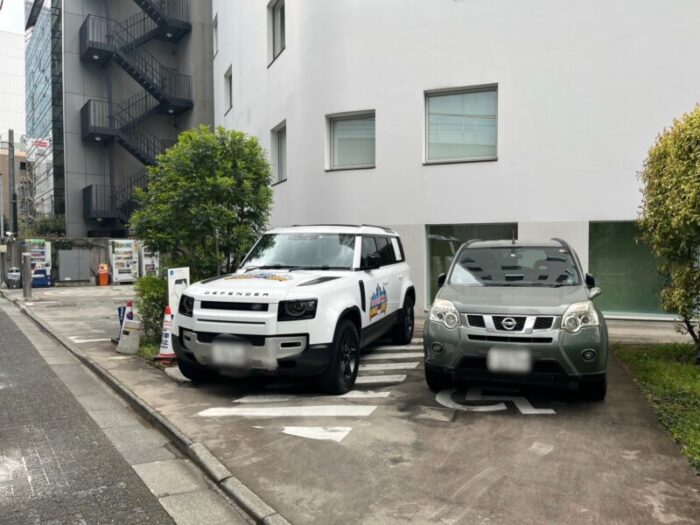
column 215, row 35
column 273, row 7
column 228, row 89
column 275, row 147
column 483, row 88
column 330, row 149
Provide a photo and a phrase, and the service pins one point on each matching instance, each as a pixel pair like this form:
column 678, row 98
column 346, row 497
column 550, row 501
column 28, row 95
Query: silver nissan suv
column 517, row 312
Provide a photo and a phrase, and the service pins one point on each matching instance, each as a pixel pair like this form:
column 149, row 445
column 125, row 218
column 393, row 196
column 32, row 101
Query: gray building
column 124, row 78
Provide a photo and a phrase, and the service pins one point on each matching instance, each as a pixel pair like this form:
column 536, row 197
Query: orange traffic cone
column 166, row 353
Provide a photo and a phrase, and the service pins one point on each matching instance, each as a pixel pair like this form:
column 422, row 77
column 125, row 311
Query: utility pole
column 13, row 191
column 26, row 271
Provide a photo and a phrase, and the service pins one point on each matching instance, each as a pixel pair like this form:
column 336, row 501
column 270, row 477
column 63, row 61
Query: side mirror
column 372, row 262
column 441, row 280
column 590, row 280
column 594, row 292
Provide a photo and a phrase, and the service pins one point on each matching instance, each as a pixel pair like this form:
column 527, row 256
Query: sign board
column 178, row 280
column 3, row 248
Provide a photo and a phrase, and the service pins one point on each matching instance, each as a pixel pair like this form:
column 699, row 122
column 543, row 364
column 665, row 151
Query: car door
column 375, row 304
column 389, row 273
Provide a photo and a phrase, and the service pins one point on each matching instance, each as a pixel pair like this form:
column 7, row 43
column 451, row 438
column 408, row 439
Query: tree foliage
column 670, row 218
column 151, row 300
column 206, row 201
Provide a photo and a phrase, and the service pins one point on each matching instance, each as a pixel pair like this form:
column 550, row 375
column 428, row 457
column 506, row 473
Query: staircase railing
column 175, row 9
column 140, row 26
column 161, row 81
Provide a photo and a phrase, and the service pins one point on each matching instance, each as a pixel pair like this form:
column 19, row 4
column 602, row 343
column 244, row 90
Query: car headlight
column 444, row 312
column 578, row 316
column 186, row 306
column 297, row 310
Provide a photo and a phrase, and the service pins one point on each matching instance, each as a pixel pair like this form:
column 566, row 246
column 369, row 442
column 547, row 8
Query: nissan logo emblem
column 509, row 323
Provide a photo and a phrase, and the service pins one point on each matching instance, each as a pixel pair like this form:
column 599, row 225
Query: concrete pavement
column 71, row 452
column 392, row 452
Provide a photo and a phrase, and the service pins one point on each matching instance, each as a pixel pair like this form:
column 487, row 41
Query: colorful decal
column 378, row 302
column 266, row 276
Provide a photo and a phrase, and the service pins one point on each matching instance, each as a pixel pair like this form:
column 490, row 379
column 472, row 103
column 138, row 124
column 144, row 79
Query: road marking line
column 388, row 366
column 372, row 380
column 279, row 398
column 294, row 411
column 336, row 434
column 445, row 399
column 385, row 356
column 76, row 339
column 394, row 348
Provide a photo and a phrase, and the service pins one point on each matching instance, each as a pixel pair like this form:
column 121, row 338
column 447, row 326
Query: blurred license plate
column 514, row 361
column 226, row 353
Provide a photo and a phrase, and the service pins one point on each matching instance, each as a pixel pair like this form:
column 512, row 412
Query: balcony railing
column 98, row 202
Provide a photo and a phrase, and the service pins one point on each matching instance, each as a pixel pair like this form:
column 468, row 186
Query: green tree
column 207, row 200
column 670, row 218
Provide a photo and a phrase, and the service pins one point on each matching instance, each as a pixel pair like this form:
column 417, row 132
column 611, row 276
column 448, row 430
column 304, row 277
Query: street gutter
column 216, row 471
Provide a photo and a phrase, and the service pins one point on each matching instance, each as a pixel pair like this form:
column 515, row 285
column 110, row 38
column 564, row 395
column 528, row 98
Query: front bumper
column 556, row 355
column 288, row 355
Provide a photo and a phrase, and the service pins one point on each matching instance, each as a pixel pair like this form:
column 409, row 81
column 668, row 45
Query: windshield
column 515, row 266
column 316, row 251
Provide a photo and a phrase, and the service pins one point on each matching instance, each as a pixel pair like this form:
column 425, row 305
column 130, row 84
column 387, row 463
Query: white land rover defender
column 304, row 302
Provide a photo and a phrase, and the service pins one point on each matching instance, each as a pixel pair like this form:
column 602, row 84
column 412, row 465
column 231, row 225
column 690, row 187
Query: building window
column 22, row 165
column 352, row 141
column 215, row 34
column 279, row 152
column 277, row 26
column 228, row 89
column 461, row 125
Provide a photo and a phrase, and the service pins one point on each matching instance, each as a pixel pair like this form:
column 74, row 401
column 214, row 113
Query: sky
column 12, row 16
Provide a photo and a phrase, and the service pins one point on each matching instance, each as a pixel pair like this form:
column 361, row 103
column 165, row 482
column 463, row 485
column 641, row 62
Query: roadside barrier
column 130, row 337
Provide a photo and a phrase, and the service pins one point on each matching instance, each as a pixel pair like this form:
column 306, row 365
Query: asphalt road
column 392, row 452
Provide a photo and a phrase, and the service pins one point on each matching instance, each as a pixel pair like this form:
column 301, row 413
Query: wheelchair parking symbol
column 494, row 403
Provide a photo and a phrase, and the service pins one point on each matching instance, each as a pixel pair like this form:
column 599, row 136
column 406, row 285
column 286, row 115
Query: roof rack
column 388, row 230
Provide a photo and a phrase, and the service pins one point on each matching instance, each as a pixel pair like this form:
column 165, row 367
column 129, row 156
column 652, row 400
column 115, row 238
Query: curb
column 216, row 471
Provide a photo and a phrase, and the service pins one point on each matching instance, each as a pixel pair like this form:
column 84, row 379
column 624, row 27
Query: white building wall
column 12, row 84
column 583, row 90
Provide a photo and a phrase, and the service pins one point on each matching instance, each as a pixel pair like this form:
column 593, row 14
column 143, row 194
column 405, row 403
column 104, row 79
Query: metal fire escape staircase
column 165, row 91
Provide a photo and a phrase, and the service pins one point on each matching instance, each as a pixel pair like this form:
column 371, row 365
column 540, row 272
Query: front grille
column 543, row 323
column 240, row 307
column 507, row 339
column 540, row 366
column 477, row 321
column 519, row 323
column 545, row 366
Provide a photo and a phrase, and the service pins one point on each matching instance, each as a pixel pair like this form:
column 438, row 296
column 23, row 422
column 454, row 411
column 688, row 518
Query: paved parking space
column 390, row 451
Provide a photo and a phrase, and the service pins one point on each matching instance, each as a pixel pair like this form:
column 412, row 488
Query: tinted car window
column 368, row 248
column 386, row 251
column 515, row 266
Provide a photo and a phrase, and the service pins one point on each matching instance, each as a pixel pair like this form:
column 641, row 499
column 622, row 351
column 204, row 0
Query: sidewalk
column 56, row 464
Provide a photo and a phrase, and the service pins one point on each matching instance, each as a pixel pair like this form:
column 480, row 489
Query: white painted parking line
column 386, row 355
column 297, row 411
column 336, row 434
column 395, row 348
column 388, row 366
column 377, row 380
column 280, row 398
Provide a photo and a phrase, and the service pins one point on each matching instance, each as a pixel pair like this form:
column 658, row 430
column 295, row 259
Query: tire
column 594, row 390
column 339, row 377
column 403, row 331
column 437, row 381
column 196, row 373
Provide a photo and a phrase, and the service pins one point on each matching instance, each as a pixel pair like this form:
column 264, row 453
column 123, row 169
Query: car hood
column 513, row 299
column 262, row 285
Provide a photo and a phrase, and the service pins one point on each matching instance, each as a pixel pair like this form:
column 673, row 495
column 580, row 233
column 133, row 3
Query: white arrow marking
column 310, row 411
column 388, row 366
column 386, row 356
column 525, row 407
column 279, row 398
column 336, row 434
column 375, row 380
column 445, row 399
